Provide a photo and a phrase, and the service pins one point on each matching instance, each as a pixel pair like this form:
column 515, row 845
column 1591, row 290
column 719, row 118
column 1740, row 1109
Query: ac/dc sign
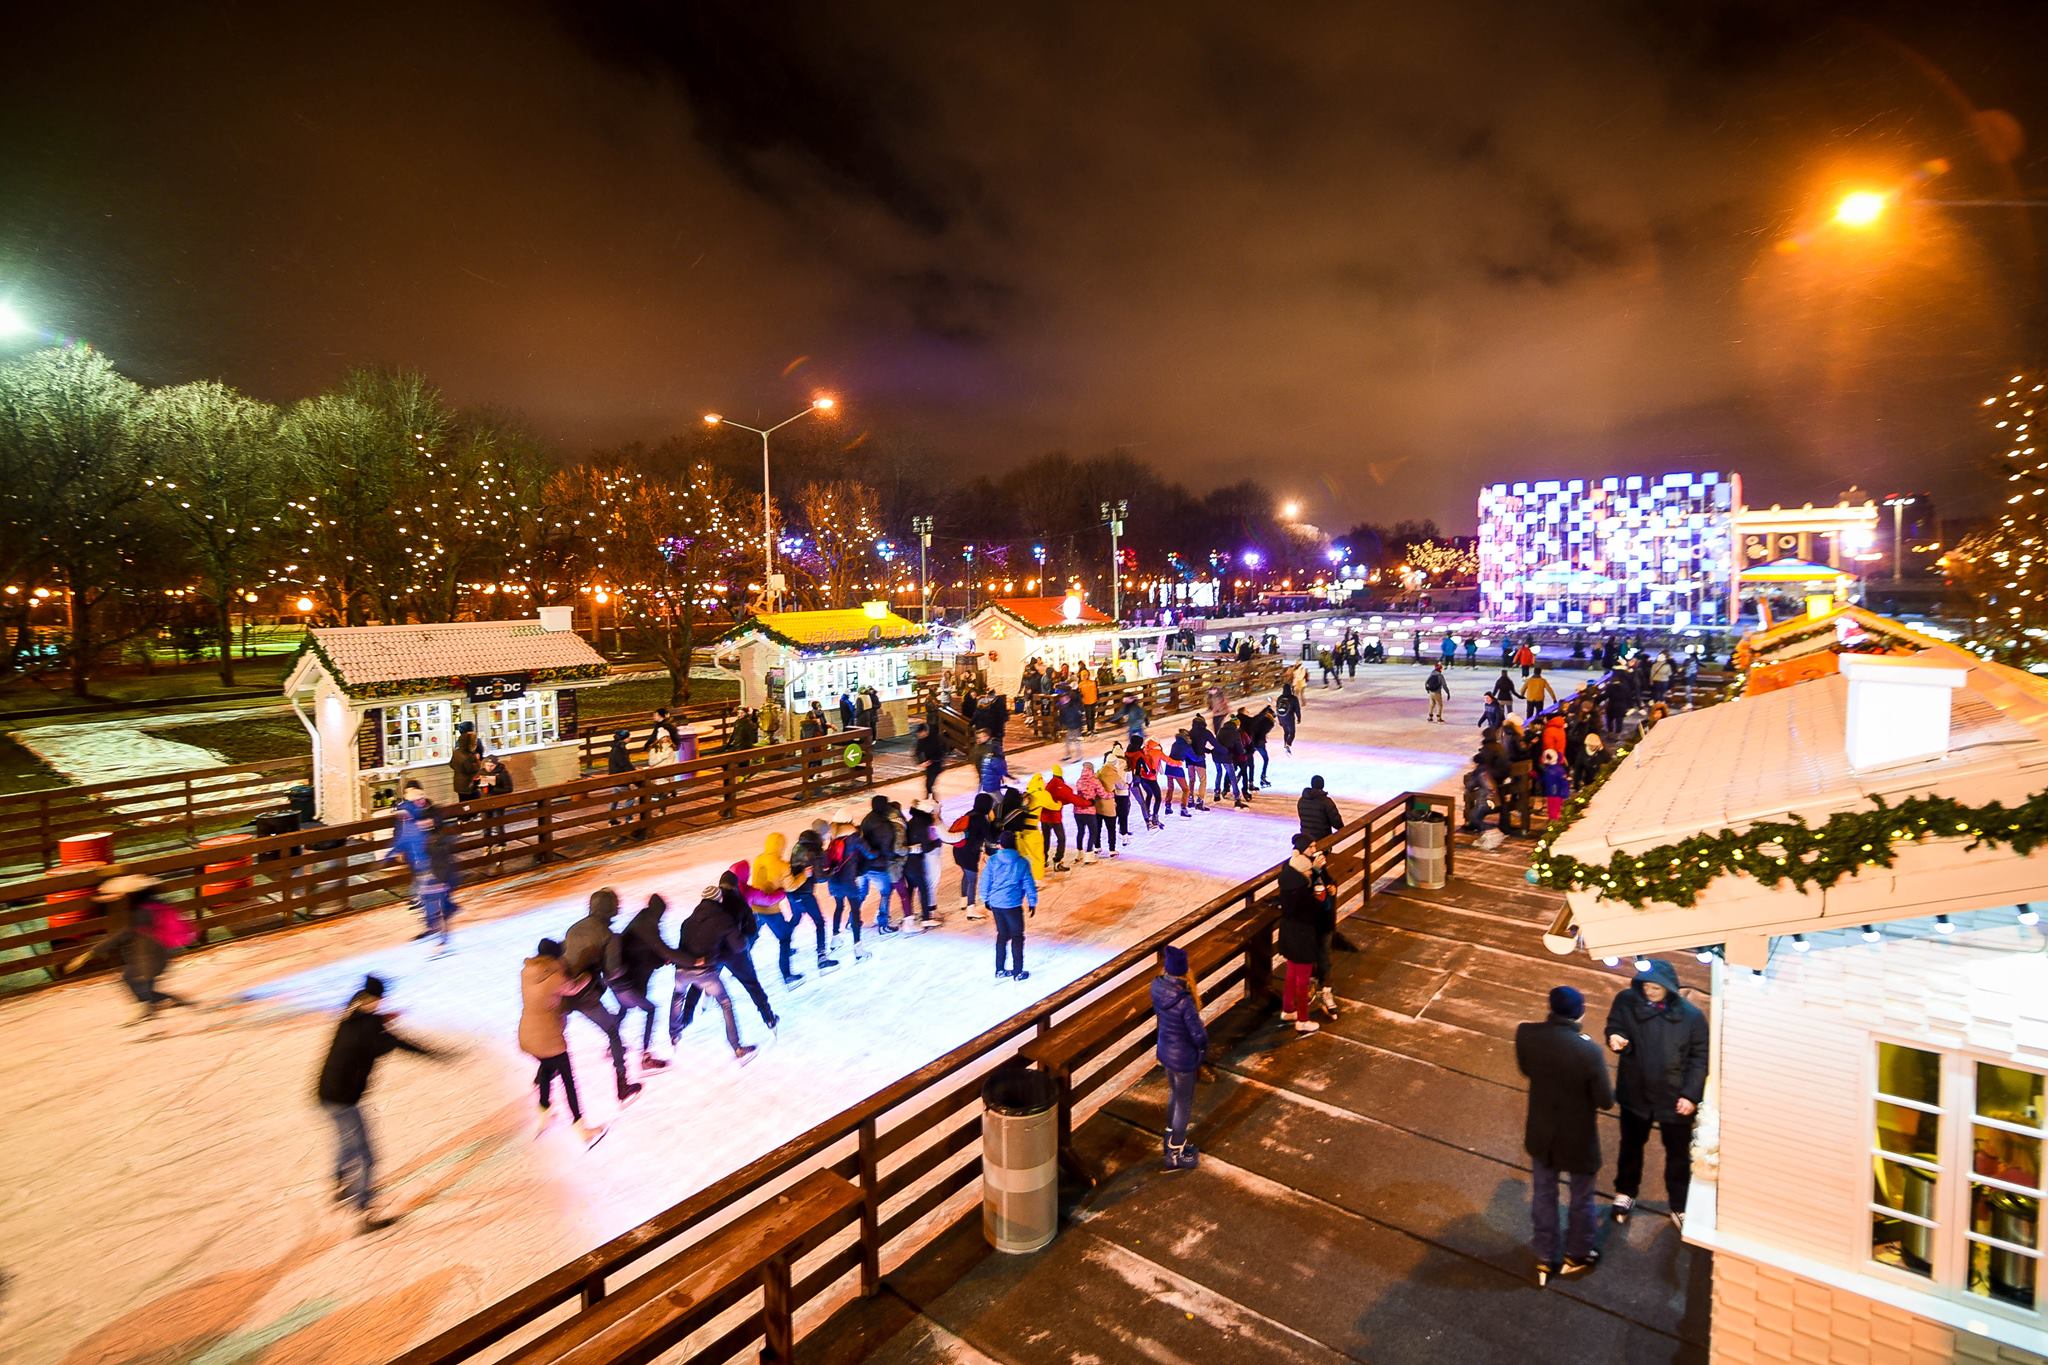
column 497, row 686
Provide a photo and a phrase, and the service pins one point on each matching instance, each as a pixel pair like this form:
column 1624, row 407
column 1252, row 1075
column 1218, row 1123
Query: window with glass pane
column 2006, row 1133
column 520, row 723
column 418, row 732
column 1906, row 1158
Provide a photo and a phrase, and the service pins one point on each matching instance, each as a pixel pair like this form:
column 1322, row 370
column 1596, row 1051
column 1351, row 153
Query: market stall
column 1010, row 632
column 1796, row 586
column 387, row 702
column 788, row 659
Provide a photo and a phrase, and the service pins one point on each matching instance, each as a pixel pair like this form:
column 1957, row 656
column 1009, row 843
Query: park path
column 120, row 747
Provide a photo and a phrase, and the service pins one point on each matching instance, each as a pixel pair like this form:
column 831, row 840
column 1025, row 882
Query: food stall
column 789, row 659
column 1010, row 632
column 386, row 702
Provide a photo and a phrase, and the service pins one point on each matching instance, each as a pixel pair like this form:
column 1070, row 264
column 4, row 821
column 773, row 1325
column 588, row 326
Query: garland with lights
column 1777, row 851
column 414, row 687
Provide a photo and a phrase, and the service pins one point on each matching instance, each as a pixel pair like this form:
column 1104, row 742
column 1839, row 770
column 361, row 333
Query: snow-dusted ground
column 109, row 750
column 169, row 1198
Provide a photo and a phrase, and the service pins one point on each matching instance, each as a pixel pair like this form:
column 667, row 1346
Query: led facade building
column 1631, row 550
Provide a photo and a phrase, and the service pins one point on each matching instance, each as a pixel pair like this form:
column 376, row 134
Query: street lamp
column 13, row 324
column 1898, row 504
column 772, row 582
column 923, row 527
column 1861, row 208
column 1113, row 514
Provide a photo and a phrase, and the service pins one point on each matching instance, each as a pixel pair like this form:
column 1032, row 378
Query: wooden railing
column 712, row 720
column 914, row 1148
column 267, row 883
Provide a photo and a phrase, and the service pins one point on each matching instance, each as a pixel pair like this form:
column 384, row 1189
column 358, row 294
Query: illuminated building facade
column 1650, row 550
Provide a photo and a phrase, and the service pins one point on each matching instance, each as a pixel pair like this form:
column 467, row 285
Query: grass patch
column 645, row 691
column 250, row 739
column 22, row 771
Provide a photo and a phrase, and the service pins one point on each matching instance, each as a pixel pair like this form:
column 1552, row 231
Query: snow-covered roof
column 841, row 629
column 1781, row 756
column 367, row 659
column 1044, row 615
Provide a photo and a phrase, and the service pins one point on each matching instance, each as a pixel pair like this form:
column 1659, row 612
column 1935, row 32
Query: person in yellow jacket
column 1031, row 838
column 1091, row 694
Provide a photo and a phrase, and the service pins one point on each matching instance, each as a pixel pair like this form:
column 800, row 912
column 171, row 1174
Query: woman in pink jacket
column 1089, row 794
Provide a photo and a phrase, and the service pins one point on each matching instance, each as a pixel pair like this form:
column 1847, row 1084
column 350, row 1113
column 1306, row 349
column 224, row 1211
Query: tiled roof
column 383, row 654
column 826, row 629
column 1047, row 613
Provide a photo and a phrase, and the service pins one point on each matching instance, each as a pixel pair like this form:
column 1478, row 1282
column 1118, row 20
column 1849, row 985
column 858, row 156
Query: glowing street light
column 13, row 323
column 823, row 403
column 1861, row 209
column 1290, row 511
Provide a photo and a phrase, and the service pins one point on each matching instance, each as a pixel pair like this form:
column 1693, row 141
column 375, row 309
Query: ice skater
column 142, row 932
column 545, row 987
column 1007, row 889
column 977, row 831
column 361, row 1038
column 843, row 863
column 420, row 839
column 639, row 953
column 805, row 862
column 710, row 938
column 585, row 949
column 1288, row 711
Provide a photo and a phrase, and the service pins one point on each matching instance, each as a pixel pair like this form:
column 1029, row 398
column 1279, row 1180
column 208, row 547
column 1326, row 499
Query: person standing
column 1183, row 1041
column 1448, row 651
column 1568, row 1087
column 1661, row 1039
column 584, row 951
column 878, row 860
column 493, row 778
column 977, row 831
column 1525, row 657
column 1557, row 784
column 1133, row 717
column 1073, row 716
column 544, row 1036
column 1471, row 651
column 1115, row 778
column 931, row 756
column 1091, row 694
column 466, row 761
column 361, row 1037
column 1439, row 690
column 1030, row 829
column 1537, row 692
column 1305, row 905
column 992, row 768
column 616, row 762
column 1007, row 889
column 1089, row 798
column 1318, row 814
column 920, row 841
column 1199, row 744
column 1173, row 767
column 1053, row 819
column 814, row 725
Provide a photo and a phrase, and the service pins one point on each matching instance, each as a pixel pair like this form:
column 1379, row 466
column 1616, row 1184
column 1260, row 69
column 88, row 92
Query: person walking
column 1307, row 914
column 361, row 1037
column 1007, row 889
column 1537, row 692
column 1287, row 710
column 931, row 756
column 1317, row 812
column 584, row 950
column 1661, row 1039
column 142, row 932
column 1568, row 1087
column 1183, row 1042
column 544, row 986
column 1439, row 689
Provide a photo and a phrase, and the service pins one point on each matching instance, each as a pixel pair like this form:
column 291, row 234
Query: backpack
column 170, row 926
column 1433, row 683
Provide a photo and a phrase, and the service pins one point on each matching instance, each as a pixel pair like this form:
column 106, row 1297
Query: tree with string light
column 673, row 543
column 2006, row 568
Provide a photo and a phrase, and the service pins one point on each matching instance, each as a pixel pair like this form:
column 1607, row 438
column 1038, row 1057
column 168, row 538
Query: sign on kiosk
column 497, row 687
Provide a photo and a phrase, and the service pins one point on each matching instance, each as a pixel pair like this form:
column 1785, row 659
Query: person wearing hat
column 544, row 988
column 361, row 1038
column 1183, row 1041
column 1568, row 1087
column 466, row 762
column 141, row 931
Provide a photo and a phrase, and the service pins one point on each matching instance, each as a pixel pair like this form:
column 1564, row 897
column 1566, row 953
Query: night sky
column 1373, row 255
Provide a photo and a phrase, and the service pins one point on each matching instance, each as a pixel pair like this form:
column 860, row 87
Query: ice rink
column 170, row 1190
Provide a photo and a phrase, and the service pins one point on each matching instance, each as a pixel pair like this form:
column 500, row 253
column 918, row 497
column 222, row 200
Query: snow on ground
column 171, row 1198
column 110, row 750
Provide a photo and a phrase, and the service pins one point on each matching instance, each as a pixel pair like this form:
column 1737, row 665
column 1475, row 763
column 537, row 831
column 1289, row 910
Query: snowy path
column 109, row 750
column 194, row 1146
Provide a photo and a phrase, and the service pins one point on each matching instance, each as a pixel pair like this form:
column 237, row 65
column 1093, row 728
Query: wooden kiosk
column 789, row 659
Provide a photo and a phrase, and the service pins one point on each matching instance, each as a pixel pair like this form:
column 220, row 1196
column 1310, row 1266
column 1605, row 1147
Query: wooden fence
column 146, row 813
column 268, row 883
column 912, row 1151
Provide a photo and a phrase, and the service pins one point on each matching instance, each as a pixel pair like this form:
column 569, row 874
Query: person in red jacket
column 1053, row 819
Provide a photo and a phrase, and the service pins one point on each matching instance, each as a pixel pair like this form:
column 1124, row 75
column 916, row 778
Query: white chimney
column 1898, row 708
column 556, row 618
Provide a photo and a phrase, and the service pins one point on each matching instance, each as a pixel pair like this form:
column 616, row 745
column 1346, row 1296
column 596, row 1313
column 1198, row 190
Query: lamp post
column 771, row 583
column 923, row 527
column 1113, row 514
column 1898, row 504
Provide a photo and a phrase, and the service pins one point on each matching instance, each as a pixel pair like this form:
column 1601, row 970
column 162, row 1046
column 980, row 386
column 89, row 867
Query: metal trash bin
column 1020, row 1186
column 300, row 799
column 1427, row 835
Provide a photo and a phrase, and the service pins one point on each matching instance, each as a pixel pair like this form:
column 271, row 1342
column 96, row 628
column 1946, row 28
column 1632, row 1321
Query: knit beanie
column 1174, row 960
column 1567, row 1001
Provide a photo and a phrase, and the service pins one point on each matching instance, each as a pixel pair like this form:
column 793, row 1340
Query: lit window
column 2005, row 1185
column 519, row 723
column 1906, row 1158
column 418, row 732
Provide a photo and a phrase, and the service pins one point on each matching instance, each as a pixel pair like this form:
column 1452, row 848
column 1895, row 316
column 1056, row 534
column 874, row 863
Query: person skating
column 1661, row 1039
column 1173, row 772
column 142, row 932
column 585, row 949
column 1030, row 830
column 920, row 841
column 807, row 862
column 1307, row 916
column 1504, row 690
column 421, row 841
column 1439, row 691
column 1183, row 1041
column 635, row 955
column 1116, row 780
column 1223, row 748
column 1537, row 692
column 843, row 864
column 1568, row 1087
column 544, row 987
column 1200, row 742
column 1257, row 729
column 710, row 937
column 1007, row 889
column 740, row 903
column 361, row 1038
column 1053, row 819
column 1287, row 710
column 931, row 756
column 1073, row 718
column 769, row 876
column 878, row 845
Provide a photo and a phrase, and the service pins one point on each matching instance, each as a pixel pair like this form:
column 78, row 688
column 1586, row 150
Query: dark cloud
column 1370, row 255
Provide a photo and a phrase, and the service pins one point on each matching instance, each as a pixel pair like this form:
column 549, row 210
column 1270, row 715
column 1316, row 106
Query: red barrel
column 73, row 853
column 228, row 885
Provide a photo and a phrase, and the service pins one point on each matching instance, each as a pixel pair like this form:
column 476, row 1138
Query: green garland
column 413, row 687
column 1777, row 851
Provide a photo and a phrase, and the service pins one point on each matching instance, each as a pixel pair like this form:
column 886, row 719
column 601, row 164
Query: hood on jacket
column 1665, row 975
column 646, row 921
column 1167, row 991
column 773, row 864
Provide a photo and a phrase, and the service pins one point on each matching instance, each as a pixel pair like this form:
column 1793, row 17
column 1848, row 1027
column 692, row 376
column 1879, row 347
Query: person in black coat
column 1183, row 1041
column 1319, row 815
column 1568, row 1087
column 710, row 938
column 631, row 960
column 361, row 1038
column 1308, row 915
column 1662, row 1042
column 931, row 756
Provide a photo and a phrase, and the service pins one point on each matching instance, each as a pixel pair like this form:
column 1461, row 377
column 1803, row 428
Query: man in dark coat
column 1568, row 1087
column 710, row 938
column 362, row 1037
column 585, row 950
column 1662, row 1075
column 1320, row 817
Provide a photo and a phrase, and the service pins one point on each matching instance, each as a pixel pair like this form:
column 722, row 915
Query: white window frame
column 1956, row 1180
column 534, row 717
column 435, row 729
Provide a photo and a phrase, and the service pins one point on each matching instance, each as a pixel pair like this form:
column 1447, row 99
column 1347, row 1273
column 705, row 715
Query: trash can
column 276, row 822
column 300, row 799
column 1427, row 832
column 1020, row 1187
column 75, row 852
column 231, row 873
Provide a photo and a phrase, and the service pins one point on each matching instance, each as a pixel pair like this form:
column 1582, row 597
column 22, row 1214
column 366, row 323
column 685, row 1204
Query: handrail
column 587, row 1275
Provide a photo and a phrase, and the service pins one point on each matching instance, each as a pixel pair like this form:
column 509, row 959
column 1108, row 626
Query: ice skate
column 974, row 913
column 1020, row 976
column 792, row 980
column 744, row 1053
column 1307, row 1026
column 861, row 954
column 650, row 1062
column 628, row 1092
column 1326, row 1001
column 827, row 964
column 1002, row 974
column 374, row 1222
column 590, row 1133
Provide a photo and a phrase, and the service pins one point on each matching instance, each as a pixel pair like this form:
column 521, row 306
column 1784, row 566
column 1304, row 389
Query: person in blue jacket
column 1182, row 1042
column 1007, row 887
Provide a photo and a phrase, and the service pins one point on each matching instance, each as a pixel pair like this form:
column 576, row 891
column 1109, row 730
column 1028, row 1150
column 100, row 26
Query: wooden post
column 43, row 829
column 1450, row 827
column 1258, row 962
column 870, row 1211
column 593, row 1292
column 191, row 826
column 728, row 796
column 776, row 1312
column 544, row 829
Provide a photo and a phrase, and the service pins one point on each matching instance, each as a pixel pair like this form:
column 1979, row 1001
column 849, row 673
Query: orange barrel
column 227, row 886
column 78, row 851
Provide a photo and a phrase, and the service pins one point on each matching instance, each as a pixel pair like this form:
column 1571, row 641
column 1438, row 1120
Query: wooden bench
column 1073, row 1043
column 664, row 1306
